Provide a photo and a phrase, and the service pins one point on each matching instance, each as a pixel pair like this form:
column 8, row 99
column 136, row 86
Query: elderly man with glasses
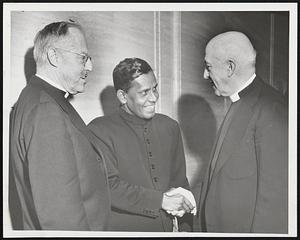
column 59, row 175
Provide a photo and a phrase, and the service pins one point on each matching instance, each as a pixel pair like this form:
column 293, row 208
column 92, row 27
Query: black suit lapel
column 239, row 123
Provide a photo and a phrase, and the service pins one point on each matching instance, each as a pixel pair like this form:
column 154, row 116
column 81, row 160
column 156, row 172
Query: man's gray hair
column 48, row 36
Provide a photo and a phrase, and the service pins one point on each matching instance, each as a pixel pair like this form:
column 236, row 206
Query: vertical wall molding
column 272, row 36
column 176, row 59
column 157, row 54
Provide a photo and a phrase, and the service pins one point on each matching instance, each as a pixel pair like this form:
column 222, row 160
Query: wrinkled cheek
column 81, row 83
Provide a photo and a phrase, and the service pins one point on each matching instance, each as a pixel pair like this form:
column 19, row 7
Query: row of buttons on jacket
column 152, row 165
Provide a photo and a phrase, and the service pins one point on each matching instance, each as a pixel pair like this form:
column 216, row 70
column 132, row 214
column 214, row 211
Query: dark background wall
column 174, row 44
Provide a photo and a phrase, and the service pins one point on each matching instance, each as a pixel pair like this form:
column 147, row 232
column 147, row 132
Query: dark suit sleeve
column 125, row 196
column 52, row 170
column 178, row 177
column 271, row 140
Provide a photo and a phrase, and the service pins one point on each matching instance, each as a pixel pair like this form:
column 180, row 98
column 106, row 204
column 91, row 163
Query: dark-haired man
column 60, row 178
column 145, row 155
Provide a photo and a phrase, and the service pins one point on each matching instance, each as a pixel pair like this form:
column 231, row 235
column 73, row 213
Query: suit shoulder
column 271, row 98
column 273, row 106
column 32, row 97
column 165, row 120
column 105, row 122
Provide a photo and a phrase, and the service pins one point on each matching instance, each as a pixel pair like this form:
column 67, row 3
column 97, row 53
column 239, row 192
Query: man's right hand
column 176, row 202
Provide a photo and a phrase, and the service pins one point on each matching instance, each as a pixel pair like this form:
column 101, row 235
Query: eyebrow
column 147, row 89
column 84, row 52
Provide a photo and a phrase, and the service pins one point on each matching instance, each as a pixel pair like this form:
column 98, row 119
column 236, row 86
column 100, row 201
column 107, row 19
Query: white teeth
column 150, row 107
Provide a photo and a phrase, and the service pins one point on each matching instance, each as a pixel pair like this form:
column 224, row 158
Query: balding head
column 234, row 46
column 230, row 62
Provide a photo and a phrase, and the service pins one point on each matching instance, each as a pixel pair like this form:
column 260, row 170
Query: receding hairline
column 72, row 34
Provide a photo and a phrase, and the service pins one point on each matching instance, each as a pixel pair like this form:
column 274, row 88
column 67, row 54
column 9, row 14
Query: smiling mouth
column 150, row 107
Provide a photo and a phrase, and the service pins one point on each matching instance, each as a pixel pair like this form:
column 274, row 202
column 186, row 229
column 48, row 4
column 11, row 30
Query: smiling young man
column 145, row 155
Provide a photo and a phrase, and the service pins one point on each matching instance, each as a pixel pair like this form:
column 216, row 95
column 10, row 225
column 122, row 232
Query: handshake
column 178, row 201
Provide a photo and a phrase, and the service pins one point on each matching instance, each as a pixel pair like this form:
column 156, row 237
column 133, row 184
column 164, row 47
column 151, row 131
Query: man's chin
column 77, row 91
column 149, row 115
column 81, row 89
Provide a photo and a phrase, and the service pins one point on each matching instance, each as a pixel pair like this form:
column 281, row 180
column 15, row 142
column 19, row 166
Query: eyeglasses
column 85, row 57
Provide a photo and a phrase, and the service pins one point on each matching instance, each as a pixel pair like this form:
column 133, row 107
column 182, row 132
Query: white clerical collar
column 54, row 84
column 235, row 97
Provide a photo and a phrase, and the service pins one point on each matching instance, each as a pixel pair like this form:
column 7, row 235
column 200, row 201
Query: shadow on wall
column 108, row 100
column 198, row 125
column 29, row 64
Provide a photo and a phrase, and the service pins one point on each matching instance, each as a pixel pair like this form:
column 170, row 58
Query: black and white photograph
column 150, row 120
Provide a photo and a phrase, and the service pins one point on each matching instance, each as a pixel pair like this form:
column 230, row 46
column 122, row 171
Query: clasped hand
column 178, row 201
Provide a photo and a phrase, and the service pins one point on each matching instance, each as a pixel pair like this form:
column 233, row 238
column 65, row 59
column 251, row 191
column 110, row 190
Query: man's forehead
column 144, row 81
column 77, row 39
column 75, row 32
column 208, row 53
column 213, row 54
column 208, row 57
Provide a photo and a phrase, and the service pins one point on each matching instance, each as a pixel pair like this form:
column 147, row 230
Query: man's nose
column 88, row 65
column 205, row 74
column 153, row 96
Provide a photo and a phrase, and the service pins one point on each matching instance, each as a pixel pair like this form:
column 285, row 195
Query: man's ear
column 121, row 94
column 52, row 57
column 230, row 67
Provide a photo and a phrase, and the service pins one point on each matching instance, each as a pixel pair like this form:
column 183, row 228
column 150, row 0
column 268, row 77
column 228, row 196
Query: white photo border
column 290, row 7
